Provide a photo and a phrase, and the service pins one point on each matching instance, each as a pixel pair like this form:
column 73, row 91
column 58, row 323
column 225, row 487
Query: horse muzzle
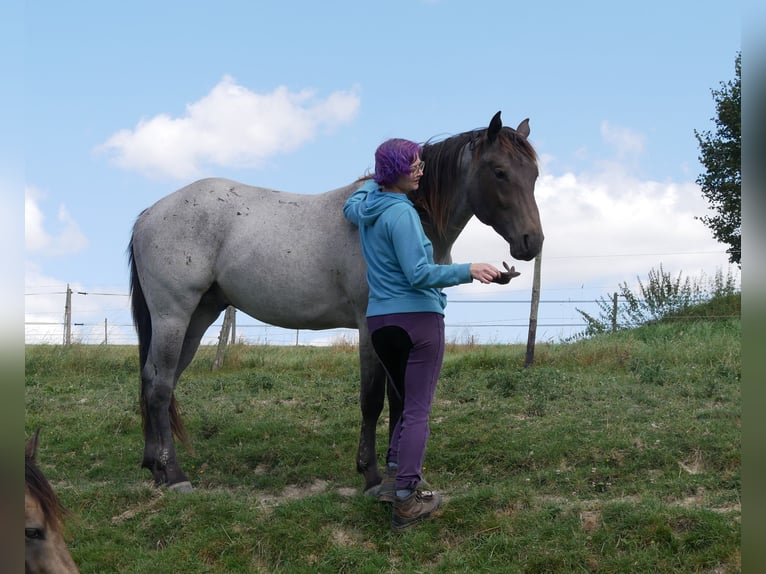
column 527, row 246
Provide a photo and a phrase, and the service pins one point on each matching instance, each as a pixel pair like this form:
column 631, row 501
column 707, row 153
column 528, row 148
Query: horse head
column 44, row 548
column 501, row 171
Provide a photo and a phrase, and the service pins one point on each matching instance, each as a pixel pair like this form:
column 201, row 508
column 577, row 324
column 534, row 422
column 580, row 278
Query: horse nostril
column 530, row 244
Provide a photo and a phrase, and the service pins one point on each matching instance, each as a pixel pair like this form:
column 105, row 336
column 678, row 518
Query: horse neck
column 460, row 214
column 443, row 243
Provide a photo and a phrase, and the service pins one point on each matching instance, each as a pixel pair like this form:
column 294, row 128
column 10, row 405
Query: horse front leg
column 372, row 396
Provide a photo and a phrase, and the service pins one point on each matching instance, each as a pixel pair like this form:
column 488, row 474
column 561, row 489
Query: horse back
column 269, row 253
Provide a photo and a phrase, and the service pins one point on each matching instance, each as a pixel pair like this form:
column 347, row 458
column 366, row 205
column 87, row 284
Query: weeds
column 663, row 297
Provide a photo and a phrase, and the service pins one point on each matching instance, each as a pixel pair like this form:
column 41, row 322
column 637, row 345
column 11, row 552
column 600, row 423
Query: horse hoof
column 183, row 487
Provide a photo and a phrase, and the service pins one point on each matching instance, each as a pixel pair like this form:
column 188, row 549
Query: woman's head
column 393, row 159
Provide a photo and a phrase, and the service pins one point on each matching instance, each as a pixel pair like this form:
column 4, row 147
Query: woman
column 405, row 314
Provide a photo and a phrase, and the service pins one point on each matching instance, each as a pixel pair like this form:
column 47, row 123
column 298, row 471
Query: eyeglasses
column 418, row 167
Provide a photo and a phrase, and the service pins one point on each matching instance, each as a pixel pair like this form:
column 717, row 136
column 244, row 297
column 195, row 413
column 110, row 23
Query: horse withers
column 293, row 261
column 45, row 551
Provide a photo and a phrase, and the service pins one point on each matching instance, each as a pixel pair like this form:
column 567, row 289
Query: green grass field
column 615, row 454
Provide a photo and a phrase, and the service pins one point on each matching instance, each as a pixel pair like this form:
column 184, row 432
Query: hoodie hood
column 401, row 273
column 377, row 201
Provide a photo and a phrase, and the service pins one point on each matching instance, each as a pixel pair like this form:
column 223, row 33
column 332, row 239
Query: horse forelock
column 442, row 170
column 509, row 141
column 40, row 489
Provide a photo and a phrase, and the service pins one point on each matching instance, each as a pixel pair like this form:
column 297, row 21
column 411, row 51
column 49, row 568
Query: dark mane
column 442, row 168
column 41, row 490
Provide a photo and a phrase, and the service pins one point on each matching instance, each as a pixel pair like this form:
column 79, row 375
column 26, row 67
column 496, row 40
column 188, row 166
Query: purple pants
column 411, row 348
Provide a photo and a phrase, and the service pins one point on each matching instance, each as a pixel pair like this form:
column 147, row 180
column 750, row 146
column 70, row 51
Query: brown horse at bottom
column 44, row 547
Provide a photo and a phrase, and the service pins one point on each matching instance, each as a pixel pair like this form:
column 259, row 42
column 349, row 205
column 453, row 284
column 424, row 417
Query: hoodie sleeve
column 354, row 205
column 408, row 239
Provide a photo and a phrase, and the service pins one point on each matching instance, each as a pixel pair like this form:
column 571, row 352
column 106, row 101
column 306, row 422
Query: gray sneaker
column 386, row 490
column 418, row 506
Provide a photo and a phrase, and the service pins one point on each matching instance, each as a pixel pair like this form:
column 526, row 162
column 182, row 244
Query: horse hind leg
column 157, row 401
column 169, row 352
column 169, row 471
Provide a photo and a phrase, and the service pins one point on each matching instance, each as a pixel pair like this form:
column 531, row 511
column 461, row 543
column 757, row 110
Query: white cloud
column 626, row 141
column 231, row 126
column 603, row 229
column 67, row 239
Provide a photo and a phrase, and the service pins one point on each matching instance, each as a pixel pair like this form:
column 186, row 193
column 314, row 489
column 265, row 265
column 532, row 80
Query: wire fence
column 56, row 315
column 102, row 318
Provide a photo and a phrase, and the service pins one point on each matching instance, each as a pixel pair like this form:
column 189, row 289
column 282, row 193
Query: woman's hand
column 484, row 272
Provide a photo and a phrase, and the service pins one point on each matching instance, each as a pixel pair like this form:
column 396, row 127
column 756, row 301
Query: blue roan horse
column 294, row 261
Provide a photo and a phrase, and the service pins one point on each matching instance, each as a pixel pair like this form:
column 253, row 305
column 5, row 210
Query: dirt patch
column 694, row 465
column 296, row 492
column 343, row 538
column 591, row 520
column 139, row 508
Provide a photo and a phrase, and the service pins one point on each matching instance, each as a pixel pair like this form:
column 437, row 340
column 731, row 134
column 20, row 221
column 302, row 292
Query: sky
column 123, row 103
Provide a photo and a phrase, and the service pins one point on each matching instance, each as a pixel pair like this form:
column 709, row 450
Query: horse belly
column 297, row 282
column 309, row 305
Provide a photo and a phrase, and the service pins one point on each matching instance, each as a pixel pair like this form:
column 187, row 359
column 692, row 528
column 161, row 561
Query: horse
column 294, row 261
column 44, row 547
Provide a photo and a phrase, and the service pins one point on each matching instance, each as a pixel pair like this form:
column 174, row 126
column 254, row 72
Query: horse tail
column 141, row 317
column 142, row 320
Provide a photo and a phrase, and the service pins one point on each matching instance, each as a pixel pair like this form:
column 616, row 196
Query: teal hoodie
column 401, row 272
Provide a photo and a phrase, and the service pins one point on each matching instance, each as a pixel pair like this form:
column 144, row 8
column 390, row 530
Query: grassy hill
column 618, row 453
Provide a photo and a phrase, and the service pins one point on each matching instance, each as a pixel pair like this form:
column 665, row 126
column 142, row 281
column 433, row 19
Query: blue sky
column 613, row 91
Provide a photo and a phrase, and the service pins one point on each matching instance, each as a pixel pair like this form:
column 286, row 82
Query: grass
column 619, row 453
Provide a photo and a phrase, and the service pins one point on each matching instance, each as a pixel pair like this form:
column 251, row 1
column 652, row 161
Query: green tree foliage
column 720, row 154
column 661, row 297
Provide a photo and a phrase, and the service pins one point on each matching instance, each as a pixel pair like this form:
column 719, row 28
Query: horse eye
column 34, row 533
column 499, row 173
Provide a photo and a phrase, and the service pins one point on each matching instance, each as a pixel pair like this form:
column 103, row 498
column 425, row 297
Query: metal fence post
column 68, row 317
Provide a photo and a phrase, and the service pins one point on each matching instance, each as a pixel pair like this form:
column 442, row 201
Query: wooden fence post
column 614, row 313
column 530, row 357
column 223, row 338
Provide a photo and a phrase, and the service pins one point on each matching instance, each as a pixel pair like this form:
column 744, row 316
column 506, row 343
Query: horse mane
column 41, row 490
column 433, row 197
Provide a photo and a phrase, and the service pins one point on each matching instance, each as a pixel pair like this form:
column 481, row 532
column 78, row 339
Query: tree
column 721, row 156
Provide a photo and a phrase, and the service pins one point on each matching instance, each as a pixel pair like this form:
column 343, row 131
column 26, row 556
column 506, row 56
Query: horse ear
column 30, row 449
column 523, row 128
column 494, row 127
